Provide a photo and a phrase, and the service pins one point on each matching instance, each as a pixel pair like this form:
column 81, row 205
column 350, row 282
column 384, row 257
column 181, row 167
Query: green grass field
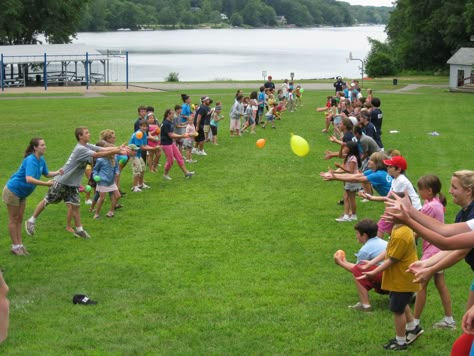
column 237, row 260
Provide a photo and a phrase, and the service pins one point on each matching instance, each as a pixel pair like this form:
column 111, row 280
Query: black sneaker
column 412, row 335
column 395, row 346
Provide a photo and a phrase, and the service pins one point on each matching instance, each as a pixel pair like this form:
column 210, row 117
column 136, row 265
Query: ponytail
column 31, row 147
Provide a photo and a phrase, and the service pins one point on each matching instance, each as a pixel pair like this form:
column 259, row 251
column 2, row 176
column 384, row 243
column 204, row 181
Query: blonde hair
column 106, row 134
column 466, row 179
column 377, row 158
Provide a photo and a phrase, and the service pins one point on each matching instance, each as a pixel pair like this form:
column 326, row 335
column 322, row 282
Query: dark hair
column 375, row 102
column 262, row 88
column 177, row 107
column 141, row 107
column 150, row 108
column 430, row 181
column 368, row 227
column 253, row 95
column 167, row 112
column 142, row 122
column 353, row 151
column 31, row 147
column 184, row 97
column 357, row 130
column 239, row 97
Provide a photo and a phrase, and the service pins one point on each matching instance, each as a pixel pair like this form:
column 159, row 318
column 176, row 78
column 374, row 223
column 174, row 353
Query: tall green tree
column 22, row 21
column 424, row 34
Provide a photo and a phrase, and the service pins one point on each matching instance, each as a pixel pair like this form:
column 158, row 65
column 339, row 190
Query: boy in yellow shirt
column 400, row 253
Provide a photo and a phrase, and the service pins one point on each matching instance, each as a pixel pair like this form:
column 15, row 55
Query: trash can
column 395, row 81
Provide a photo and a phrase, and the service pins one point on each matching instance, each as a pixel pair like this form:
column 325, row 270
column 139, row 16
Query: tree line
column 22, row 21
column 422, row 36
column 103, row 15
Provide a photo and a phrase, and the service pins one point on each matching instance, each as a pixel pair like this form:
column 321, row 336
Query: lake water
column 235, row 54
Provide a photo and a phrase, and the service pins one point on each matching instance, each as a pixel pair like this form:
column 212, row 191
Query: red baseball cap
column 396, row 161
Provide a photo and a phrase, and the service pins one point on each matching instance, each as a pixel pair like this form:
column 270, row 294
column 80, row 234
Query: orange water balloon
column 261, row 143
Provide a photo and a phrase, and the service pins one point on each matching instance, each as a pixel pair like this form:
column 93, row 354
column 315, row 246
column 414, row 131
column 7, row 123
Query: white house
column 461, row 68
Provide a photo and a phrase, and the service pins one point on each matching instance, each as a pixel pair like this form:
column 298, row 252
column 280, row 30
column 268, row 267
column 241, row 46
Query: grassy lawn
column 237, row 260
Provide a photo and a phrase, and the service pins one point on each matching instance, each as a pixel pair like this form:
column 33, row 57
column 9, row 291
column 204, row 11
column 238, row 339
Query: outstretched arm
column 400, row 209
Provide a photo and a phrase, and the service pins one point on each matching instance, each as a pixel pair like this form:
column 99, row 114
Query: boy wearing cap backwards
column 66, row 186
column 399, row 255
column 396, row 167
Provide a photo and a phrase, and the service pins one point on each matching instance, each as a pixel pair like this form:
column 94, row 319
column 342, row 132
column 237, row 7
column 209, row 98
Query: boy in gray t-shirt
column 66, row 186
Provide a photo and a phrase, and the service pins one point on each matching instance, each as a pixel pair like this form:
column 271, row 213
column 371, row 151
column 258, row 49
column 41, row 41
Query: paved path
column 98, row 91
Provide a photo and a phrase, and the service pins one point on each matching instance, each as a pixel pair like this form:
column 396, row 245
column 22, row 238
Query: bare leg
column 76, row 214
column 15, row 218
column 420, row 300
column 4, row 309
column 99, row 203
column 443, row 293
column 69, row 218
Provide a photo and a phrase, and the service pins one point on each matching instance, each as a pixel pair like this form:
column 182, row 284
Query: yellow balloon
column 299, row 145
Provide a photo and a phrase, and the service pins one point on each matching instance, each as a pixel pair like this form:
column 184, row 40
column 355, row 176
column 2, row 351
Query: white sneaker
column 144, row 186
column 443, row 324
column 136, row 189
column 344, row 218
column 195, row 151
column 203, row 153
column 88, row 202
column 167, row 177
column 353, row 218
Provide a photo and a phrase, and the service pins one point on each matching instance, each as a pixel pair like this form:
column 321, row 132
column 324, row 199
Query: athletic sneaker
column 195, row 151
column 144, row 186
column 88, row 202
column 343, row 219
column 353, row 218
column 359, row 307
column 203, row 153
column 136, row 189
column 412, row 335
column 167, row 177
column 443, row 324
column 82, row 233
column 189, row 174
column 395, row 346
column 30, row 227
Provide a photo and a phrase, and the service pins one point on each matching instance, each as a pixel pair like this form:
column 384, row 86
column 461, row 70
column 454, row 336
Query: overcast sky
column 370, row 2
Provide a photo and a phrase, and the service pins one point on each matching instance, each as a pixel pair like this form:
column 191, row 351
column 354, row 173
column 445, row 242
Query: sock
column 411, row 325
column 79, row 228
column 417, row 321
column 366, row 305
column 32, row 219
column 449, row 319
column 346, row 216
column 401, row 340
column 14, row 247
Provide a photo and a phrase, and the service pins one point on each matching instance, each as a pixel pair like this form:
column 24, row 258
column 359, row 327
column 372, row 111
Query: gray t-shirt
column 76, row 164
column 368, row 145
